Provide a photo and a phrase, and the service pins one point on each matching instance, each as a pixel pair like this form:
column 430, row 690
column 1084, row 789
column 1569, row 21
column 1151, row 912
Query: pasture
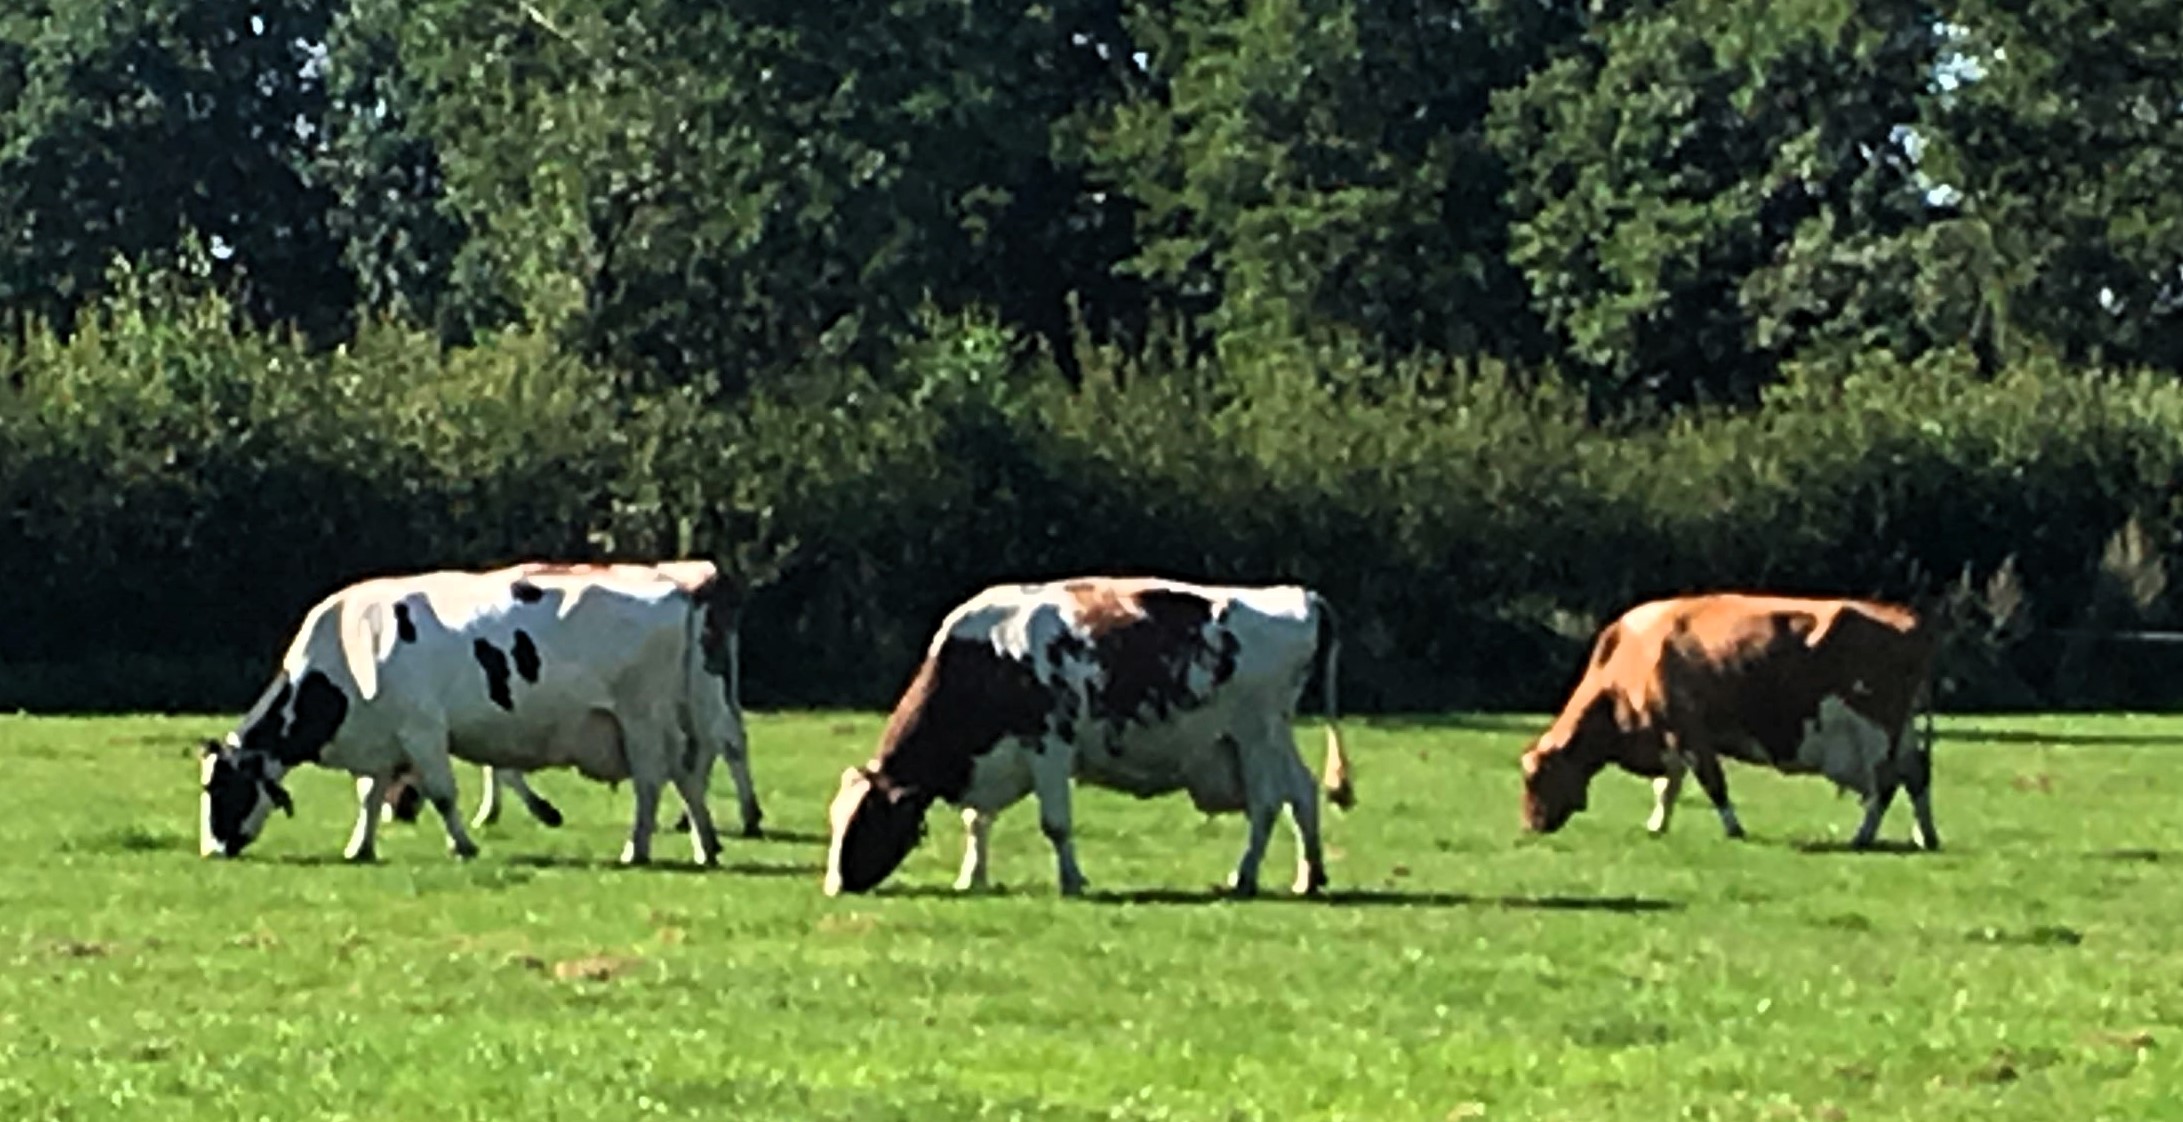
column 2032, row 971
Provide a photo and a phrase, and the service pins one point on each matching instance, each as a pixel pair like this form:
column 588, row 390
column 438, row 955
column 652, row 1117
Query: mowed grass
column 2034, row 970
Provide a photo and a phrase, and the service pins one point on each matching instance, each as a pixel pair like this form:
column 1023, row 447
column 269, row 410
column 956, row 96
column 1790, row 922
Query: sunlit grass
column 2031, row 971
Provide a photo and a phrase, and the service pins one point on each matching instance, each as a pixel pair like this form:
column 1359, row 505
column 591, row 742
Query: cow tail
column 696, row 711
column 1326, row 659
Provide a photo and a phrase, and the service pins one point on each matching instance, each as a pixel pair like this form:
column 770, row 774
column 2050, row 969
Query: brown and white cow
column 1141, row 685
column 1799, row 685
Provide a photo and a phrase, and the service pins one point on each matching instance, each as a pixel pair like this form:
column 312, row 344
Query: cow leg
column 1304, row 814
column 1918, row 780
column 691, row 785
column 1263, row 796
column 978, row 832
column 1665, row 790
column 540, row 807
column 648, row 751
column 1706, row 766
column 1051, row 766
column 1301, row 793
column 489, row 804
column 746, row 790
column 371, row 793
column 1875, row 809
column 436, row 779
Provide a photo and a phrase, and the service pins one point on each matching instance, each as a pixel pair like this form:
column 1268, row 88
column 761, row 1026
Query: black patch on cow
column 526, row 656
column 264, row 735
column 1224, row 662
column 320, row 709
column 233, row 789
column 1147, row 657
column 405, row 628
column 527, row 593
column 495, row 666
column 299, row 734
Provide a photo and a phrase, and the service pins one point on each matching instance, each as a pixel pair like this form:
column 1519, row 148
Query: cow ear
column 279, row 795
column 209, row 748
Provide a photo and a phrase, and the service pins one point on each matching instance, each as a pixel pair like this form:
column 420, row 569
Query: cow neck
column 966, row 699
column 296, row 723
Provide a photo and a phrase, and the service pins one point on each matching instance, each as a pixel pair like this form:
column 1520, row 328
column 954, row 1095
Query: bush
column 175, row 490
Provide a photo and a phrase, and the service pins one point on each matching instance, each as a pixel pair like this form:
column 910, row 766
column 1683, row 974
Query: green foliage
column 129, row 128
column 1707, row 184
column 2062, row 133
column 1486, row 317
column 167, row 474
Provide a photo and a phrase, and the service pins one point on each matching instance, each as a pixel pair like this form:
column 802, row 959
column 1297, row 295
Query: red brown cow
column 1799, row 685
column 1145, row 686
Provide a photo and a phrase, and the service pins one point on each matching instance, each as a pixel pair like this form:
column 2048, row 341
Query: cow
column 1141, row 685
column 1801, row 685
column 624, row 672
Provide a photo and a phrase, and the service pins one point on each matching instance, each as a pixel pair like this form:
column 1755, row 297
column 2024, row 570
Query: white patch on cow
column 1844, row 745
column 1641, row 618
column 978, row 829
column 1664, row 792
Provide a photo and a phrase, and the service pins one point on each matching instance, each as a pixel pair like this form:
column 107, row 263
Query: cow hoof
column 1312, row 886
column 634, row 859
column 1073, row 888
column 549, row 816
column 753, row 830
column 1242, row 889
column 361, row 856
column 464, row 852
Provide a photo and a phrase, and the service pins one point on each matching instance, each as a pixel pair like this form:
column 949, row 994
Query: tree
column 1306, row 165
column 703, row 193
column 126, row 129
column 1706, row 188
column 2061, row 129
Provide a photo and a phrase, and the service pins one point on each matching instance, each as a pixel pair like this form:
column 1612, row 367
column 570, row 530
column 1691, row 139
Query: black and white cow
column 1139, row 685
column 624, row 672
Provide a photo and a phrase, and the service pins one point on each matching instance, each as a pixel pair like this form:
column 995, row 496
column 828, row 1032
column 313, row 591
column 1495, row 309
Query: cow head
column 875, row 825
column 1554, row 787
column 241, row 789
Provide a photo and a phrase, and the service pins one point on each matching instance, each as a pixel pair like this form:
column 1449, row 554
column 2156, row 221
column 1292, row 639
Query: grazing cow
column 622, row 672
column 1139, row 685
column 1799, row 685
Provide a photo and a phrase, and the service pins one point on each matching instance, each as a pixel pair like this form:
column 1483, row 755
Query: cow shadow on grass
column 1880, row 848
column 670, row 865
column 1337, row 898
column 1388, row 898
column 783, row 837
column 1981, row 734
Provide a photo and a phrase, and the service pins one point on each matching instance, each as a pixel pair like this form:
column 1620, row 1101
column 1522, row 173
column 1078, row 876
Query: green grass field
column 2032, row 971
